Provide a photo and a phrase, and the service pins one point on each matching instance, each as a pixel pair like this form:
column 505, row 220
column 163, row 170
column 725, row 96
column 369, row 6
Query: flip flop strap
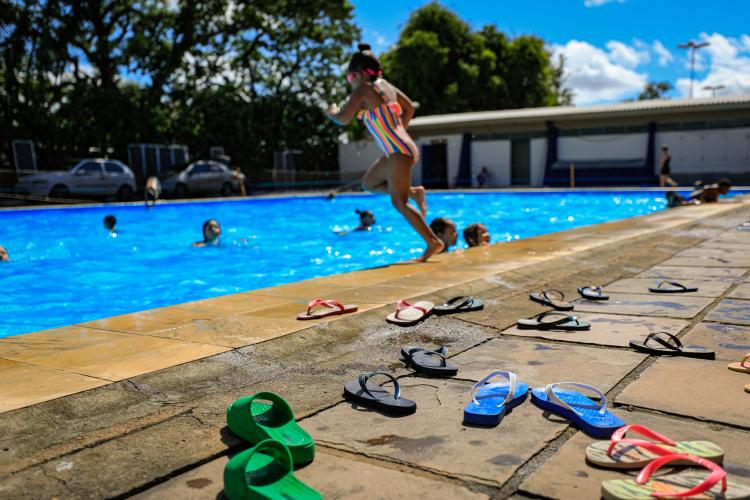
column 566, row 319
column 364, row 377
column 545, row 295
column 463, row 300
column 717, row 474
column 597, row 289
column 673, row 283
column 331, row 304
column 744, row 359
column 277, row 402
column 657, row 337
column 618, row 437
column 280, row 452
column 402, row 305
column 550, row 391
column 442, row 352
column 512, row 378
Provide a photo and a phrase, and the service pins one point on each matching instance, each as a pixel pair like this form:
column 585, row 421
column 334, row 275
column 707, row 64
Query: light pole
column 713, row 89
column 693, row 46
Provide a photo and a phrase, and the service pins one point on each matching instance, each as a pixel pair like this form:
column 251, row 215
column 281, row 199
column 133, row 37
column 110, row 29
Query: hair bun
column 363, row 47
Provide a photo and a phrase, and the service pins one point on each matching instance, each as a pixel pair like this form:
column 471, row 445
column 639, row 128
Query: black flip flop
column 593, row 293
column 374, row 396
column 544, row 297
column 664, row 343
column 459, row 305
column 675, row 288
column 564, row 322
column 429, row 362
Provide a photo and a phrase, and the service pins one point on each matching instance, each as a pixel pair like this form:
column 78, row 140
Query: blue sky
column 612, row 47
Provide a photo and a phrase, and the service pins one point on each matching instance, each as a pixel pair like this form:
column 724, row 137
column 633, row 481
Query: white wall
column 538, row 151
column 356, row 157
column 454, row 157
column 704, row 151
column 598, row 147
column 495, row 155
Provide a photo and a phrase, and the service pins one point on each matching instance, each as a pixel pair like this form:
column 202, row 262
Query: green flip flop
column 266, row 415
column 265, row 472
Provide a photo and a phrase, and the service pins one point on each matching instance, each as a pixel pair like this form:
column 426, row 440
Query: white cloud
column 596, row 75
column 626, row 55
column 665, row 56
column 727, row 61
column 599, row 3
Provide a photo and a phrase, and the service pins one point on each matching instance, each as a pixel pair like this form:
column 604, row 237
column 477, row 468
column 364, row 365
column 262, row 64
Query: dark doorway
column 435, row 165
column 520, row 161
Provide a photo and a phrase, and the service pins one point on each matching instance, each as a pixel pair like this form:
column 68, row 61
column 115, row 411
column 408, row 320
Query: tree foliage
column 440, row 62
column 655, row 90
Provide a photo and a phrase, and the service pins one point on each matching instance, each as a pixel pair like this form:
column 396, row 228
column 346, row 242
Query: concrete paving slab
column 234, row 304
column 696, row 388
column 681, row 272
column 723, row 245
column 701, row 251
column 731, row 311
column 706, row 288
column 151, row 321
column 25, row 384
column 539, row 363
column 566, row 474
column 332, row 476
column 741, row 292
column 729, row 342
column 607, row 329
column 434, row 438
column 708, row 261
column 652, row 304
column 102, row 354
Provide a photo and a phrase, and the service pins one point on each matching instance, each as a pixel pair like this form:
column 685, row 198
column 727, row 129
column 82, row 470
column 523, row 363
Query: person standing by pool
column 211, row 233
column 152, row 191
column 4, row 257
column 386, row 112
column 665, row 168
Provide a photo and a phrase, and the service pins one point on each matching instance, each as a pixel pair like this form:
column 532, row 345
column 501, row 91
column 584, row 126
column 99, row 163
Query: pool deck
column 135, row 404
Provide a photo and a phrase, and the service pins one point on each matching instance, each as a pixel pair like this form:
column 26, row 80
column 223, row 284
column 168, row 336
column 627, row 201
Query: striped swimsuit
column 384, row 124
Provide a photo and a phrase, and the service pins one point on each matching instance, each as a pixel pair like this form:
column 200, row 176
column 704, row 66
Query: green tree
column 655, row 90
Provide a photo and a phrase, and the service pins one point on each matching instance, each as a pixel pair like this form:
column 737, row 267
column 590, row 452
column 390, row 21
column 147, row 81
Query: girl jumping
column 386, row 112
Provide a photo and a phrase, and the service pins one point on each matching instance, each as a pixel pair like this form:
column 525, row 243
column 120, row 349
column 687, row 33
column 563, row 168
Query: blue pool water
column 65, row 268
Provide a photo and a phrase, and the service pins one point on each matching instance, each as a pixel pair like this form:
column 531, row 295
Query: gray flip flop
column 429, row 362
column 552, row 298
column 563, row 322
column 365, row 393
column 593, row 293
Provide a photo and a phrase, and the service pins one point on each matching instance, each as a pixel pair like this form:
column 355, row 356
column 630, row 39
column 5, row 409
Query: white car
column 203, row 177
column 91, row 176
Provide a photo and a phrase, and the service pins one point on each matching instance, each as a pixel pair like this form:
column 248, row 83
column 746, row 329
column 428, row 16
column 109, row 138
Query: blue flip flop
column 591, row 417
column 489, row 402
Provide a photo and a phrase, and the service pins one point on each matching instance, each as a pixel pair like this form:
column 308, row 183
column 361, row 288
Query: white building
column 618, row 144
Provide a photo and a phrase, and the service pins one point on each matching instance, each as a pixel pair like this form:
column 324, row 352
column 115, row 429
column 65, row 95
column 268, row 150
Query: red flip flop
column 408, row 314
column 330, row 308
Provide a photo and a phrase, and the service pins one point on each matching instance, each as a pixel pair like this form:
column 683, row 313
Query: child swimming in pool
column 366, row 220
column 211, row 233
column 476, row 235
column 4, row 257
column 386, row 112
column 110, row 223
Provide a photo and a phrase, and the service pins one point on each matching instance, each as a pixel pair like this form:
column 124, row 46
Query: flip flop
column 742, row 366
column 459, row 305
column 489, row 402
column 657, row 345
column 625, row 453
column 408, row 314
column 331, row 308
column 564, row 322
column 687, row 483
column 676, row 287
column 365, row 393
column 747, row 388
column 546, row 297
column 424, row 361
column 265, row 472
column 593, row 293
column 267, row 415
column 591, row 417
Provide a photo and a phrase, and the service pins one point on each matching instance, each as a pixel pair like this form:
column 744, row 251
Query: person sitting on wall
column 366, row 220
column 211, row 233
column 445, row 229
column 476, row 235
column 110, row 223
column 240, row 178
column 708, row 193
column 483, row 177
column 152, row 191
column 4, row 256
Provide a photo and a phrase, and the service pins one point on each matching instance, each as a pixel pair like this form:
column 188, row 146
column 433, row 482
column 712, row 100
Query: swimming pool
column 66, row 269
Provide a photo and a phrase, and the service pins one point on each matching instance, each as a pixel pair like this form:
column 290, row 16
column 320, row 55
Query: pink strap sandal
column 325, row 308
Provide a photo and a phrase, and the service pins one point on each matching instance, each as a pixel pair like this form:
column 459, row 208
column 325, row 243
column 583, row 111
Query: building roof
column 575, row 113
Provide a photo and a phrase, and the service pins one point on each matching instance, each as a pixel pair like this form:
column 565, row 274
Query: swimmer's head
column 725, row 185
column 211, row 232
column 110, row 222
column 366, row 217
column 364, row 66
column 476, row 235
column 445, row 229
column 4, row 257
